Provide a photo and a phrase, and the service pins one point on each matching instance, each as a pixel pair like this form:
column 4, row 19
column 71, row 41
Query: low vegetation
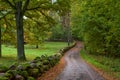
column 49, row 48
column 29, row 70
column 110, row 66
column 32, row 69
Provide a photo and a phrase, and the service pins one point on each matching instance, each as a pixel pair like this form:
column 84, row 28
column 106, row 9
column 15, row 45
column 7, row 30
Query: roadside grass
column 110, row 66
column 9, row 53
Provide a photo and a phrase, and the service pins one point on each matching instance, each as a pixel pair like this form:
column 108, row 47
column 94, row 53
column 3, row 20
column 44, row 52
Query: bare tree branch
column 25, row 5
column 14, row 2
column 35, row 20
column 4, row 14
column 35, row 8
column 7, row 25
column 38, row 6
column 8, row 2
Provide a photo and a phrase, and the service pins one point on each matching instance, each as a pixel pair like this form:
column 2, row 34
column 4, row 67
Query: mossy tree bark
column 20, row 34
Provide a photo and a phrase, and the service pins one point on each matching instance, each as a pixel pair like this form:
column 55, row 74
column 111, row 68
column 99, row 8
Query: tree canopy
column 96, row 22
column 30, row 9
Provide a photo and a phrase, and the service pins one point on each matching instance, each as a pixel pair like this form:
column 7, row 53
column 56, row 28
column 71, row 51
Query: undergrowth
column 108, row 64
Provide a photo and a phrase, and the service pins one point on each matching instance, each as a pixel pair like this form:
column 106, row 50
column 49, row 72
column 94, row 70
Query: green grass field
column 110, row 65
column 9, row 54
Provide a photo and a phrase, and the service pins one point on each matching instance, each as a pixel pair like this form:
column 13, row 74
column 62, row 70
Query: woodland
column 35, row 22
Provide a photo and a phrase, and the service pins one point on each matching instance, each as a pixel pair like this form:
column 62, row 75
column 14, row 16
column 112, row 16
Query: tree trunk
column 66, row 25
column 37, row 46
column 20, row 35
column 0, row 44
column 68, row 28
column 68, row 36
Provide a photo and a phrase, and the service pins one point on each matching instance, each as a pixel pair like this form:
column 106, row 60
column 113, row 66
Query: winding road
column 75, row 68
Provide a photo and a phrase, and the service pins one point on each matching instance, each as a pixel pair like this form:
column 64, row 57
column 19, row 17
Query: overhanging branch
column 35, row 8
column 25, row 5
column 4, row 14
column 8, row 2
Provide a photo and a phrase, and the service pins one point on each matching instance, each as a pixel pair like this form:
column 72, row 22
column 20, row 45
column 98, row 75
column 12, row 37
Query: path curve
column 76, row 68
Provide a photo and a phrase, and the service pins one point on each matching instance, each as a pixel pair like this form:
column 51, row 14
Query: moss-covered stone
column 23, row 73
column 33, row 65
column 37, row 59
column 41, row 70
column 19, row 77
column 33, row 72
column 26, row 66
column 45, row 67
column 12, row 73
column 3, row 78
column 43, row 57
column 53, row 63
column 3, row 68
column 50, row 58
column 13, row 66
column 20, row 67
column 2, row 74
column 62, row 51
column 45, row 62
column 39, row 64
column 9, row 75
column 31, row 78
column 34, row 61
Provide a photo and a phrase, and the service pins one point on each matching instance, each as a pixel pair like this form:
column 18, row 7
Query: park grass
column 9, row 53
column 110, row 66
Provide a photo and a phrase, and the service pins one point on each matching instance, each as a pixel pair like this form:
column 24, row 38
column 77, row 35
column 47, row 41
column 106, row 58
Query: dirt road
column 76, row 68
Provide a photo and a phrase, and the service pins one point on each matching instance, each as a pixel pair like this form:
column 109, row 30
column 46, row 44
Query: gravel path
column 76, row 68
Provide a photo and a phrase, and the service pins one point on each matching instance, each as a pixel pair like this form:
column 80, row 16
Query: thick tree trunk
column 0, row 44
column 20, row 35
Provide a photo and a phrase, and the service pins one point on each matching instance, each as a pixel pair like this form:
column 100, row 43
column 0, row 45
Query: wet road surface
column 76, row 68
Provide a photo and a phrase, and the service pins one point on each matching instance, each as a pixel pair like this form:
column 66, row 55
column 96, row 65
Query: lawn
column 109, row 65
column 9, row 53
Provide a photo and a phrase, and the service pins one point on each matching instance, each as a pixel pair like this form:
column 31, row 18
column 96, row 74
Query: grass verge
column 111, row 66
column 9, row 53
